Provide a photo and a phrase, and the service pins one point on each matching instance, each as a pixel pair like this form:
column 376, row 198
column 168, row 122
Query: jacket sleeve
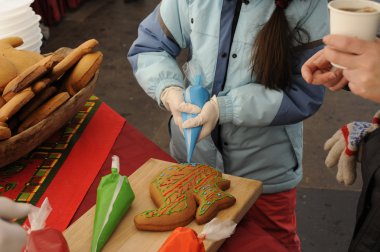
column 254, row 105
column 301, row 100
column 160, row 39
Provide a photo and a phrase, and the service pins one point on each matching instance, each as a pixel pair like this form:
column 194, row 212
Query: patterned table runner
column 64, row 167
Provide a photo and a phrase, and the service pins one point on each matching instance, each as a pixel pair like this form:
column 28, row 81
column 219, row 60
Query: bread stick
column 13, row 123
column 44, row 111
column 2, row 101
column 15, row 104
column 40, row 85
column 5, row 133
column 36, row 102
column 73, row 57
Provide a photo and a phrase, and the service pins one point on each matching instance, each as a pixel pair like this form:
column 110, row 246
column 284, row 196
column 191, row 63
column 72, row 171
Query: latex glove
column 344, row 146
column 12, row 235
column 207, row 118
column 172, row 98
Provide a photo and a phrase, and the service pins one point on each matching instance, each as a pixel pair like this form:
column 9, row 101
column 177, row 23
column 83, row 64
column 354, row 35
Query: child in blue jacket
column 250, row 53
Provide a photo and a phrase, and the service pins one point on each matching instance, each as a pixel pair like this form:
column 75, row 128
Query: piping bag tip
column 115, row 163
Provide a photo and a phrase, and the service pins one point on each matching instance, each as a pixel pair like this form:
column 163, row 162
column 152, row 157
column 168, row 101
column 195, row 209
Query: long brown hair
column 273, row 49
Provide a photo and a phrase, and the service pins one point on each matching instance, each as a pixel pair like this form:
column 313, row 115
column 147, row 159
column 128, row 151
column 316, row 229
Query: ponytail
column 273, row 50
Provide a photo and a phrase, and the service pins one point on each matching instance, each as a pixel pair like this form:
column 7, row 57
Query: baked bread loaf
column 7, row 73
column 30, row 74
column 12, row 61
column 31, row 85
column 10, row 42
column 21, row 59
column 83, row 72
column 71, row 58
column 182, row 191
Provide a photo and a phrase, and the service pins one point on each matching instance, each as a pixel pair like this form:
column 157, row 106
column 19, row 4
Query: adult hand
column 318, row 70
column 172, row 98
column 362, row 61
column 12, row 235
column 207, row 118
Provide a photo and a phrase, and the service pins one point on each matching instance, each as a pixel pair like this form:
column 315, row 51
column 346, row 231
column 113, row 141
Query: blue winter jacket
column 260, row 128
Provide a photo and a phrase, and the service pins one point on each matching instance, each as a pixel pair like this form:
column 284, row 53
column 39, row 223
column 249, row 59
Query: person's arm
column 160, row 38
column 271, row 107
column 254, row 105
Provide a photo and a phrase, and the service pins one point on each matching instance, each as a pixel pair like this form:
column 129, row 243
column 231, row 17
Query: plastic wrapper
column 41, row 238
column 185, row 239
column 198, row 95
column 114, row 197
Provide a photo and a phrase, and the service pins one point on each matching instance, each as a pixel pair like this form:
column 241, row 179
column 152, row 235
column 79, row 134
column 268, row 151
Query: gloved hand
column 172, row 98
column 12, row 235
column 207, row 118
column 344, row 146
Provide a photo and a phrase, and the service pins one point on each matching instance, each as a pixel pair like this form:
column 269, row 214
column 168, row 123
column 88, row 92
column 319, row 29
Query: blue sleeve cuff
column 301, row 100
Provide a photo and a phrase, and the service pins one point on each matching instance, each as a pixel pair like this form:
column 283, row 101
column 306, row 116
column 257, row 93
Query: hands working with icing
column 344, row 147
column 207, row 118
column 12, row 235
column 173, row 100
column 360, row 58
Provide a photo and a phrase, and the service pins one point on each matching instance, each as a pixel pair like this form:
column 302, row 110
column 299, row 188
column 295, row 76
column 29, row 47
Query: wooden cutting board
column 127, row 238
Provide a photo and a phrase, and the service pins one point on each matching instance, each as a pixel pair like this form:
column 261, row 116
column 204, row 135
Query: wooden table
column 127, row 238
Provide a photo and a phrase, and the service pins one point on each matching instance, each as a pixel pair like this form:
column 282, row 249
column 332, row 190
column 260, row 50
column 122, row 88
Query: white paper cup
column 363, row 25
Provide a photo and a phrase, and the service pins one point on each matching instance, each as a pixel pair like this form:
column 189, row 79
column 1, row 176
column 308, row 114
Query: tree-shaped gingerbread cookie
column 182, row 191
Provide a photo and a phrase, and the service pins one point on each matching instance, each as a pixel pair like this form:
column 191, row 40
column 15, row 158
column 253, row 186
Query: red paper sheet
column 27, row 179
column 133, row 149
column 81, row 167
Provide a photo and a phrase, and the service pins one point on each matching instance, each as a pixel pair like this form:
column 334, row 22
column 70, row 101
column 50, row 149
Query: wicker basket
column 21, row 144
